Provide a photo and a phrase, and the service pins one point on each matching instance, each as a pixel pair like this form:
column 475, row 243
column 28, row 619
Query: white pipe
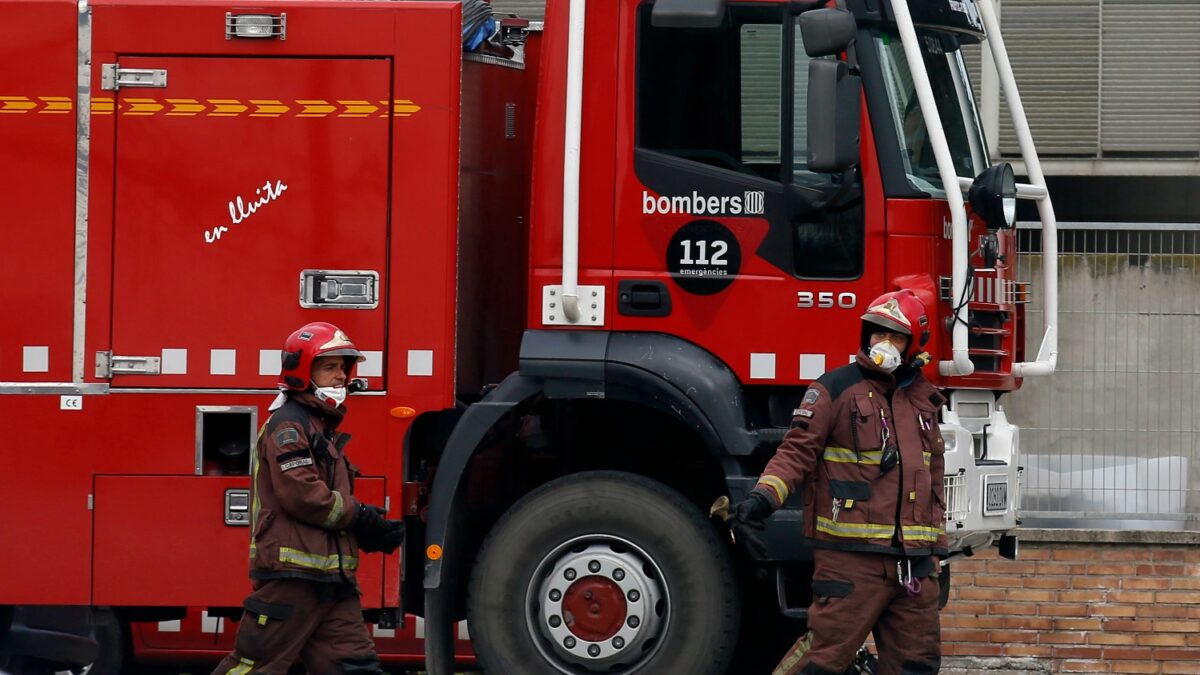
column 961, row 363
column 1047, row 358
column 571, row 155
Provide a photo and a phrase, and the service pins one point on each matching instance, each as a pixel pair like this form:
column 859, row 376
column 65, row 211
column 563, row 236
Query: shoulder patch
column 286, row 436
column 840, row 379
column 811, row 396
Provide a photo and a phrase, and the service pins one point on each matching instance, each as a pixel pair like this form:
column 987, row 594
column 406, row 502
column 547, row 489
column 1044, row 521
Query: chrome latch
column 113, row 77
column 108, row 365
column 237, row 506
column 339, row 289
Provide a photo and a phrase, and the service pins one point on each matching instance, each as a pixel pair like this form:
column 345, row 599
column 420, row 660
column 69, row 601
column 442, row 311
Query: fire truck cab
column 593, row 263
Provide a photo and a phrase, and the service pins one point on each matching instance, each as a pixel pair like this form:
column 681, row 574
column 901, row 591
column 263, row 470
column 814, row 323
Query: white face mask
column 334, row 396
column 885, row 355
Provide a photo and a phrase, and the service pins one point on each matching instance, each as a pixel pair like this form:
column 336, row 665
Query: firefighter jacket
column 301, row 502
column 836, row 449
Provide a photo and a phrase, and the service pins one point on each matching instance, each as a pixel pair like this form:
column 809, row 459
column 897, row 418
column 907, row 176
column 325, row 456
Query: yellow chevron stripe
column 267, row 107
column 16, row 104
column 355, row 108
column 56, row 105
column 315, row 108
column 213, row 107
column 185, row 107
column 226, row 107
column 143, row 106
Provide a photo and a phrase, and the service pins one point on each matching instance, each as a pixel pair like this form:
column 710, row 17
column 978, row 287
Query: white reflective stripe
column 812, row 366
column 211, row 624
column 762, row 366
column 269, row 362
column 222, row 361
column 373, row 366
column 383, row 632
column 420, row 362
column 335, row 513
column 174, row 362
column 35, row 360
column 463, row 632
column 170, row 626
column 419, row 628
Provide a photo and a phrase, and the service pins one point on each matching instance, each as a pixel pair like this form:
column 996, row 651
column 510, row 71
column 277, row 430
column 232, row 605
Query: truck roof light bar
column 255, row 26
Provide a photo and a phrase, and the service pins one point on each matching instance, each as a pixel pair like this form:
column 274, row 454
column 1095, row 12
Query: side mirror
column 993, row 197
column 827, row 31
column 833, row 115
column 687, row 13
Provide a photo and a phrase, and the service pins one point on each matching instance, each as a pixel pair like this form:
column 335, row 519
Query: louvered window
column 1103, row 78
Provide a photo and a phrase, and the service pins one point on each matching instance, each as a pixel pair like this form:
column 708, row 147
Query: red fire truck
column 593, row 264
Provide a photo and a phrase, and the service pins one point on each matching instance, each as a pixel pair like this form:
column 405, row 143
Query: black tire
column 110, row 635
column 622, row 519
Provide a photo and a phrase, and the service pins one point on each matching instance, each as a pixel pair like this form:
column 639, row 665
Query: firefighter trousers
column 855, row 594
column 292, row 620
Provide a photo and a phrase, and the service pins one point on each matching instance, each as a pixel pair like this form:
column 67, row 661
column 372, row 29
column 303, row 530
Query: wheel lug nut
column 594, row 567
column 618, row 643
column 634, row 596
column 633, row 622
column 569, row 643
column 593, row 651
column 569, row 574
column 556, row 595
column 555, row 621
column 618, row 574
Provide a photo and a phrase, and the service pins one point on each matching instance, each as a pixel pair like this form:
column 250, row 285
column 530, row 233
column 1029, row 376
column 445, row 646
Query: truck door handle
column 636, row 297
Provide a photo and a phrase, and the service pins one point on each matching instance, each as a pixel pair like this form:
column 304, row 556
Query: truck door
column 729, row 238
column 251, row 197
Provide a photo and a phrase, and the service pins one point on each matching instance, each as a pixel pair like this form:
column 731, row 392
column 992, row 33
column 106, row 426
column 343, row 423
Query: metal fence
column 1112, row 439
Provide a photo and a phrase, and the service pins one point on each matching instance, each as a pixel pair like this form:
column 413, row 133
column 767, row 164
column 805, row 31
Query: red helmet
column 307, row 343
column 899, row 312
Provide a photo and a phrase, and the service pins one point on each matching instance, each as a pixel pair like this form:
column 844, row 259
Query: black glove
column 747, row 519
column 374, row 532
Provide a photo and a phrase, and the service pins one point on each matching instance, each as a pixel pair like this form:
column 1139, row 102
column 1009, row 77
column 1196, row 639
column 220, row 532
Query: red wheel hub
column 594, row 608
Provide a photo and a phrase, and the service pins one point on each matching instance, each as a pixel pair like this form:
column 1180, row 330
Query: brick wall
column 1078, row 601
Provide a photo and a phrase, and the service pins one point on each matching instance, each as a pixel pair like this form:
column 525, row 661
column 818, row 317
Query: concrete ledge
column 1108, row 536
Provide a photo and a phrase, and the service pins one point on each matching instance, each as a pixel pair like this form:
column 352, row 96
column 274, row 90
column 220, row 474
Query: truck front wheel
column 604, row 572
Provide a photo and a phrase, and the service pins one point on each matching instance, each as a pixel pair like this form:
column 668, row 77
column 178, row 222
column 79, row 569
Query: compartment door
column 232, row 181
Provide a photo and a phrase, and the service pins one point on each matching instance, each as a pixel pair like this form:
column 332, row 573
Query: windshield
column 956, row 109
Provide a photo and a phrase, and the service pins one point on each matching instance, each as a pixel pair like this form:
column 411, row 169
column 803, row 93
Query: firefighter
column 866, row 448
column 307, row 527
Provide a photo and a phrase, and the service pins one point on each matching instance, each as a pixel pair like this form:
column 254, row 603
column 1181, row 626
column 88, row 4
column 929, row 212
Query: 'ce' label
column 825, row 300
column 70, row 403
